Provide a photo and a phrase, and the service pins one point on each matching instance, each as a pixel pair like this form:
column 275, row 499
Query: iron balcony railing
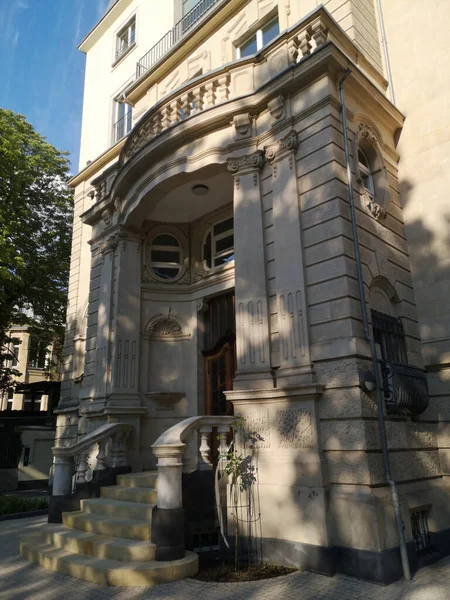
column 122, row 127
column 173, row 36
column 405, row 388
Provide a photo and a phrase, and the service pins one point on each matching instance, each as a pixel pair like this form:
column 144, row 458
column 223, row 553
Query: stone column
column 294, row 355
column 252, row 319
column 126, row 321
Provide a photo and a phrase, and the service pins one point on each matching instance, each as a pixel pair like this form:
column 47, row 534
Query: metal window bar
column 122, row 127
column 420, row 532
column 388, row 333
column 173, row 36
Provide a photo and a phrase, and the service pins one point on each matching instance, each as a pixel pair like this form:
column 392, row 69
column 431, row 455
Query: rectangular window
column 15, row 357
column 258, row 40
column 218, row 248
column 123, row 120
column 10, row 399
column 38, row 354
column 126, row 38
column 28, row 403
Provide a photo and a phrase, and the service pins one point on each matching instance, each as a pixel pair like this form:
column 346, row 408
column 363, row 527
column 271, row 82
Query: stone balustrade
column 111, row 442
column 169, row 449
column 243, row 77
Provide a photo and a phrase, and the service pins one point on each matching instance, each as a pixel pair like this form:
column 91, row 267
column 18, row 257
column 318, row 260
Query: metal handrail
column 172, row 37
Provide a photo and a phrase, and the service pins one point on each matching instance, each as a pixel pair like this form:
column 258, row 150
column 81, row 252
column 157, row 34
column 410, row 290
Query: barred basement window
column 420, row 533
column 166, row 256
column 218, row 248
column 205, row 541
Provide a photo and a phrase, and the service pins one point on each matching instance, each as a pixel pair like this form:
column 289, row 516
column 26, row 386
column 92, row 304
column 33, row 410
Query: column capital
column 281, row 148
column 109, row 244
column 247, row 163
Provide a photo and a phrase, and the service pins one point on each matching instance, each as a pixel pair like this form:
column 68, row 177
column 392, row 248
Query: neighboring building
column 31, row 358
column 214, row 268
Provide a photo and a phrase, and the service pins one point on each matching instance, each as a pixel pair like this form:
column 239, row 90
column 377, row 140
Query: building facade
column 232, row 153
column 32, row 358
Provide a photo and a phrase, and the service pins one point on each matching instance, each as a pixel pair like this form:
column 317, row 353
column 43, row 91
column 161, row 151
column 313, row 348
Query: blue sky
column 41, row 70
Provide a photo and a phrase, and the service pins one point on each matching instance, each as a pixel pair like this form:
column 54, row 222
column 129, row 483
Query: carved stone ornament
column 166, row 329
column 107, row 216
column 100, row 191
column 376, row 210
column 243, row 125
column 110, row 244
column 202, row 305
column 295, row 428
column 365, row 132
column 249, row 162
column 282, row 147
column 276, row 107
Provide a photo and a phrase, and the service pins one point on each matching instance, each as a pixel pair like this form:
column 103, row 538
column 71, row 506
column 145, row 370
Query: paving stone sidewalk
column 20, row 580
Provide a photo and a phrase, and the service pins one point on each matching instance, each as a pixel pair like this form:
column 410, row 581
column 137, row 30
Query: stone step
column 146, row 479
column 130, row 529
column 118, row 508
column 100, row 546
column 130, row 494
column 106, row 572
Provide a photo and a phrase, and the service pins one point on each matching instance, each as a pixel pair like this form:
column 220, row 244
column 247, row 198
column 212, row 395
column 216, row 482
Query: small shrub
column 13, row 504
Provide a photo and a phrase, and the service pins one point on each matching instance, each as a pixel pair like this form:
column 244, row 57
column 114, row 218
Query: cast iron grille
column 206, row 541
column 388, row 332
column 420, row 533
column 405, row 387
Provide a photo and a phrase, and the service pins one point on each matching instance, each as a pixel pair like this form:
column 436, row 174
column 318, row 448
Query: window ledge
column 125, row 53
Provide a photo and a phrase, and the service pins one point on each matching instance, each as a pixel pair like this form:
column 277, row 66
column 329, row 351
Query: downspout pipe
column 385, row 51
column 371, row 341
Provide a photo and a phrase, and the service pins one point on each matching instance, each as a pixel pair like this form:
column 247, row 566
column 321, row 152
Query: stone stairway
column 108, row 541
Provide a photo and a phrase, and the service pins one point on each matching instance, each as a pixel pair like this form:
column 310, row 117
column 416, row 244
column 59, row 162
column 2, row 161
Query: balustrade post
column 62, row 476
column 204, row 463
column 101, row 456
column 82, row 467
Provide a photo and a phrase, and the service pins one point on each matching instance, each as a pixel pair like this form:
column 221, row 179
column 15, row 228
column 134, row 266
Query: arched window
column 365, row 172
column 218, row 247
column 166, row 256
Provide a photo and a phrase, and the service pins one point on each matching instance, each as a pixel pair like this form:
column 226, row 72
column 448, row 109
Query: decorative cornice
column 246, row 164
column 283, row 147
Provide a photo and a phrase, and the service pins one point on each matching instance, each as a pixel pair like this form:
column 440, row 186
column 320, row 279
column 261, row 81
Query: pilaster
column 294, row 355
column 252, row 317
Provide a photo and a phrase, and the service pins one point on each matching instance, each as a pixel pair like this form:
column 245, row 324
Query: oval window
column 165, row 256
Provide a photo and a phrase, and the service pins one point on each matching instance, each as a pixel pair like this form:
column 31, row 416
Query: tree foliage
column 35, row 235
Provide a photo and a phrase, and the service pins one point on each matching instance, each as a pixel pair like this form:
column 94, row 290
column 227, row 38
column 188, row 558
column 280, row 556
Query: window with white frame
column 365, row 172
column 123, row 119
column 10, row 400
column 259, row 39
column 166, row 256
column 218, row 247
column 126, row 37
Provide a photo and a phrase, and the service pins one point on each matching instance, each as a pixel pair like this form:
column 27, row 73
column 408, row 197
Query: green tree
column 35, row 236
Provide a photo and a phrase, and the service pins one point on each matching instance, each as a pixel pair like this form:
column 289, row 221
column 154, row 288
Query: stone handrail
column 169, row 448
column 111, row 441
